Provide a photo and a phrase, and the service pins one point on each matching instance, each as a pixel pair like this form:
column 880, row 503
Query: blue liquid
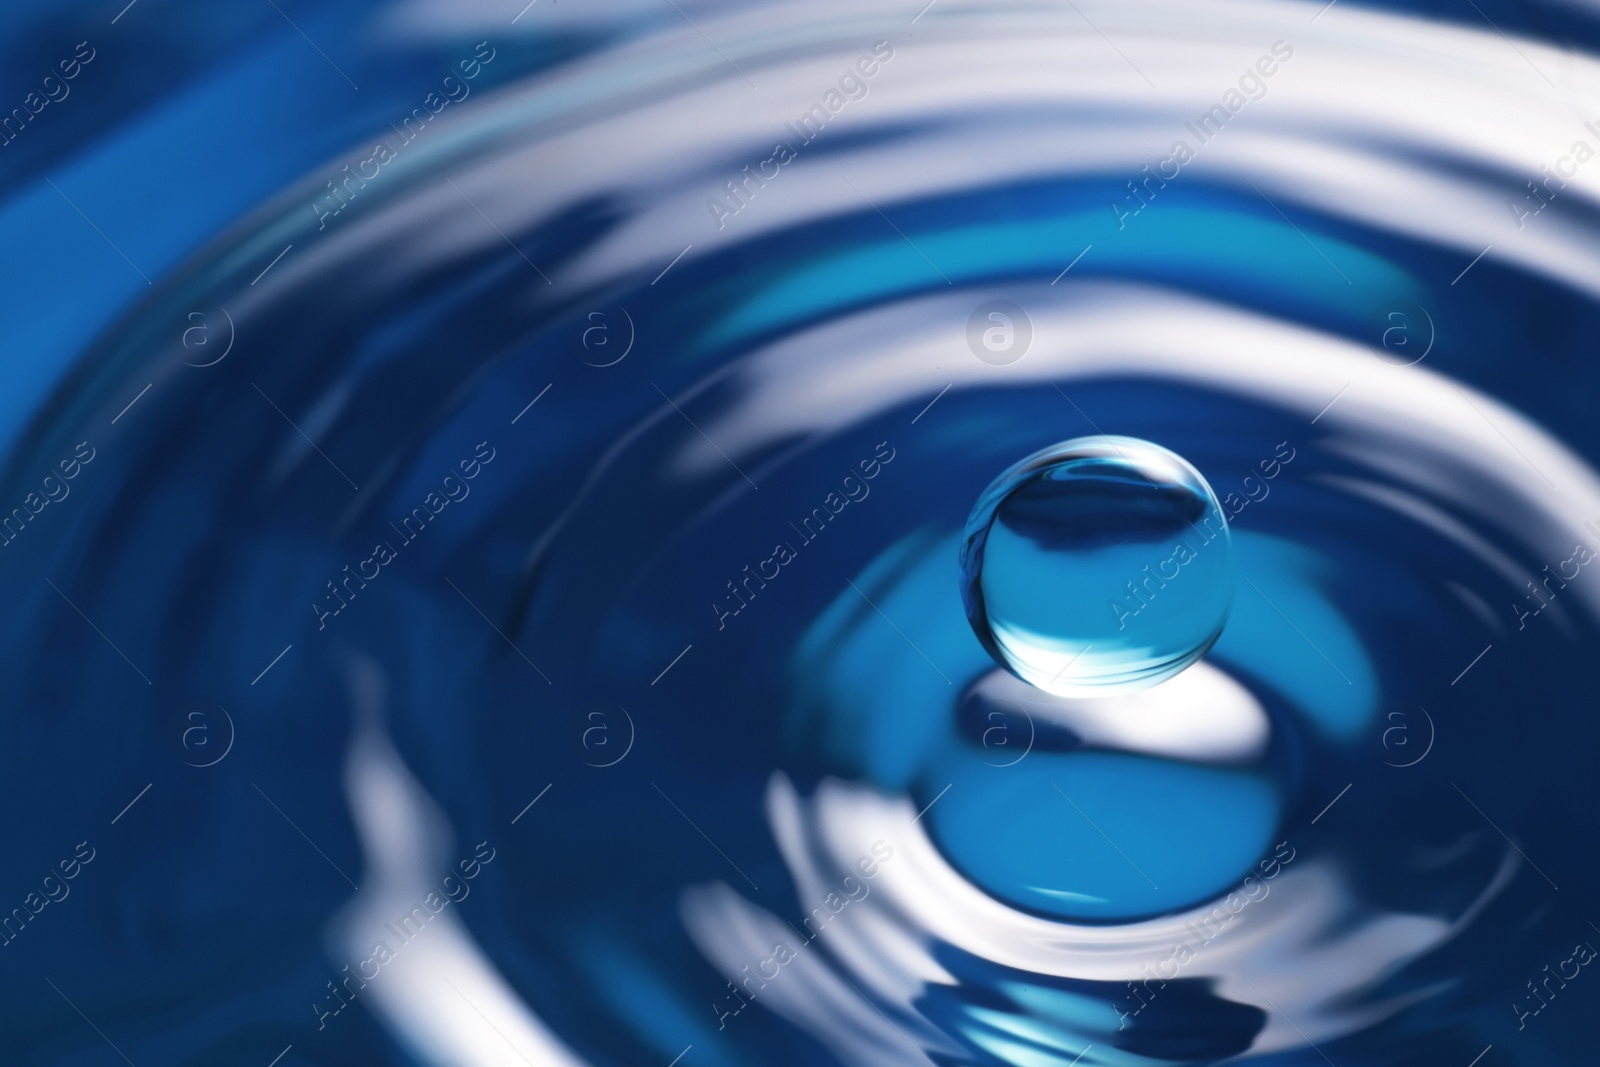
column 1098, row 564
column 1183, row 777
column 208, row 536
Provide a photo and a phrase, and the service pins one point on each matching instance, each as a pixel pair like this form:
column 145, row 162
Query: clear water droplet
column 1098, row 564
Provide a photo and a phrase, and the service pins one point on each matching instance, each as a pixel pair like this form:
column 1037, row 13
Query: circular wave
column 639, row 396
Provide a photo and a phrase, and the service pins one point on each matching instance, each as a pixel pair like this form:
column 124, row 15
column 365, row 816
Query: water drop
column 1098, row 564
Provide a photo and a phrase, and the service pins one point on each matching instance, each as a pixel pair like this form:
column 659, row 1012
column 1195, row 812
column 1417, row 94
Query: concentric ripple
column 597, row 479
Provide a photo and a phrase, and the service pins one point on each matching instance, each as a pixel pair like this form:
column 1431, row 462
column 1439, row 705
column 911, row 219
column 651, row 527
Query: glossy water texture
column 1097, row 565
column 538, row 546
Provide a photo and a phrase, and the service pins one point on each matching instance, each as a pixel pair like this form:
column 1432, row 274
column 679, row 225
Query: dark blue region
column 141, row 68
column 1559, row 24
column 1090, row 504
